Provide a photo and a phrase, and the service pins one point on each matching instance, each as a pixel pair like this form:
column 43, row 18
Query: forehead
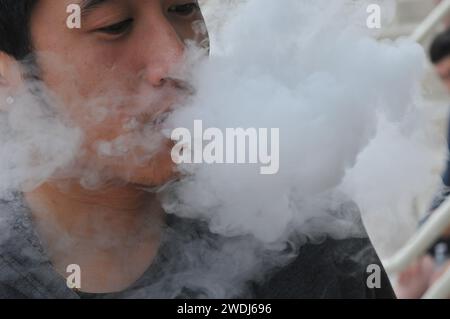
column 60, row 7
column 58, row 10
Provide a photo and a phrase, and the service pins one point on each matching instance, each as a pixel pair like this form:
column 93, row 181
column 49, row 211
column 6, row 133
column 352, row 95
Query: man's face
column 115, row 75
column 443, row 70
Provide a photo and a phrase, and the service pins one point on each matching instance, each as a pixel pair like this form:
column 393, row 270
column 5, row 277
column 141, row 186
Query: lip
column 184, row 86
column 182, row 93
column 154, row 120
column 157, row 112
column 159, row 117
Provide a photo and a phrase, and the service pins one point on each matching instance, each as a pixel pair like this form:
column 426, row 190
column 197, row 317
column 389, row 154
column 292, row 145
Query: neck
column 115, row 229
column 117, row 210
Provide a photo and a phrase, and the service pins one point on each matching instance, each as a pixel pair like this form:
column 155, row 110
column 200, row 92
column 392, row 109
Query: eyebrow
column 88, row 5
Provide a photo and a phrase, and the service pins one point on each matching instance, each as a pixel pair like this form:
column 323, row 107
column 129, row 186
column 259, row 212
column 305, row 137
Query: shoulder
column 339, row 265
column 25, row 272
column 330, row 269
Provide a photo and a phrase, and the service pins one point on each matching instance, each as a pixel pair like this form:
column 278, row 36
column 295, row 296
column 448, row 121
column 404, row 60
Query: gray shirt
column 329, row 268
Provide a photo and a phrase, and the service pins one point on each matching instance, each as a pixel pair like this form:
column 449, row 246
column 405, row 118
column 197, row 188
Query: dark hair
column 15, row 37
column 440, row 48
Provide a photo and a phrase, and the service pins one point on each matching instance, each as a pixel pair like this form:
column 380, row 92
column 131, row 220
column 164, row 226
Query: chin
column 152, row 180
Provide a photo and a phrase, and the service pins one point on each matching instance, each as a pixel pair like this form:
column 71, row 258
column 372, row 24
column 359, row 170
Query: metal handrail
column 422, row 240
column 427, row 26
column 440, row 289
column 440, row 219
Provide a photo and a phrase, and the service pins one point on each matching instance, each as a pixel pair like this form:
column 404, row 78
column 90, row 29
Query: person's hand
column 414, row 281
column 446, row 233
column 437, row 274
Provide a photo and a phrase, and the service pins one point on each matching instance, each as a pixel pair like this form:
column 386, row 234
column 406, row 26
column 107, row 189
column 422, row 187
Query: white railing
column 440, row 289
column 431, row 21
column 439, row 221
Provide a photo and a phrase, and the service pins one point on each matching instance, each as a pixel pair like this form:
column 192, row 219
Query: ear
column 10, row 79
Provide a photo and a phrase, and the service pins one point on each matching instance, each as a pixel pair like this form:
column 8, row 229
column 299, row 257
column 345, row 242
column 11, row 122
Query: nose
column 164, row 51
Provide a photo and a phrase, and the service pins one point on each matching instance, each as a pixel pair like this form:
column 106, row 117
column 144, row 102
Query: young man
column 415, row 280
column 121, row 64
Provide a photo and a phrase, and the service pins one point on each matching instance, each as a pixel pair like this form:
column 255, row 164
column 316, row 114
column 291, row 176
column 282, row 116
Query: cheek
column 129, row 152
column 81, row 85
column 106, row 139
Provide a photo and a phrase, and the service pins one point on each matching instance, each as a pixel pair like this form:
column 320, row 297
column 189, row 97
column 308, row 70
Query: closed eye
column 185, row 10
column 117, row 28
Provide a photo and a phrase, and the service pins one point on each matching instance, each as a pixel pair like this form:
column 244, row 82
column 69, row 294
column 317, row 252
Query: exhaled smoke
column 314, row 70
